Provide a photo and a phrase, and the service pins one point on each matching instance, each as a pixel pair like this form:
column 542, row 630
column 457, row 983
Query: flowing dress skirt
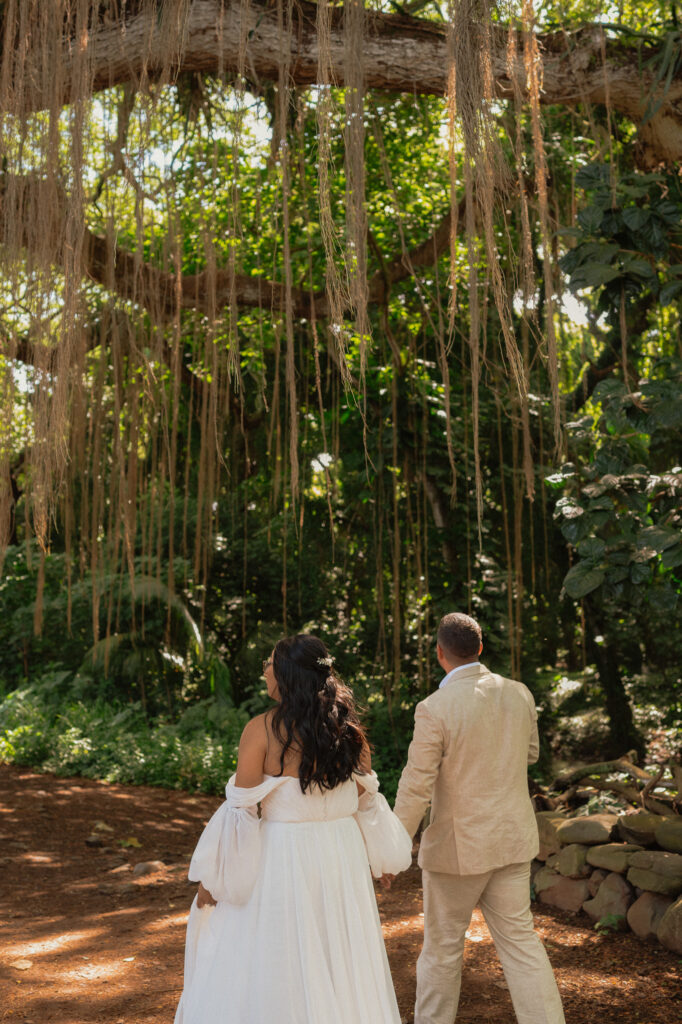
column 306, row 948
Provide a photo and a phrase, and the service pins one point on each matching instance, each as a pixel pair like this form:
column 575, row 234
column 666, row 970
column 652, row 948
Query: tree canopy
column 336, row 317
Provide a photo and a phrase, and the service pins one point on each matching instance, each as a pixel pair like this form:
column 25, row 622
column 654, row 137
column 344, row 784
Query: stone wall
column 623, row 870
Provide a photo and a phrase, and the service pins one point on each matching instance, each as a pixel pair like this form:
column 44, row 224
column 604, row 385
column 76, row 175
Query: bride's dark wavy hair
column 316, row 713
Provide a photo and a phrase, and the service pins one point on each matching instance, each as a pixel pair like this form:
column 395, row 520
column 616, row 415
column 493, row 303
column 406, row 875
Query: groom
column 473, row 739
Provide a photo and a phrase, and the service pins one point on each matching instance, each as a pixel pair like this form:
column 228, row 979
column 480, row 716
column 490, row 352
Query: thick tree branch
column 401, row 54
column 164, row 293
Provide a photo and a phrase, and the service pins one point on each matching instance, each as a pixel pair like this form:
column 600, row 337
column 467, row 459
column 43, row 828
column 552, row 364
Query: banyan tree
column 230, row 228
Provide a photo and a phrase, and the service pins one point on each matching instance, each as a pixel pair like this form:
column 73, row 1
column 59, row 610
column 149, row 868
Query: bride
column 285, row 925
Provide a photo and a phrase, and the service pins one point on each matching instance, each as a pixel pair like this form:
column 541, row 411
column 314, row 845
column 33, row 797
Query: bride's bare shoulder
column 252, row 748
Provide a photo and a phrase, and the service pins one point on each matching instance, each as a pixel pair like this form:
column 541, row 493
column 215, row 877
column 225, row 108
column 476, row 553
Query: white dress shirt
column 446, row 679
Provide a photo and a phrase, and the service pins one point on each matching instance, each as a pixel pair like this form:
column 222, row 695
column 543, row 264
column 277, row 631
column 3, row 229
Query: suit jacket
column 473, row 740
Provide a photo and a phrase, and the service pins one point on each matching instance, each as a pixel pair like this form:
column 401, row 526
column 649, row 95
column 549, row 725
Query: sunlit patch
column 168, row 920
column 97, row 971
column 395, row 929
column 55, row 943
column 41, row 858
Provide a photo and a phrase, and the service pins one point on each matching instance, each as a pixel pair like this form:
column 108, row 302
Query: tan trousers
column 504, row 898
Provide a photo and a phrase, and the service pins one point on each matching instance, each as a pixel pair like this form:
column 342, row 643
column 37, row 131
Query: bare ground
column 82, row 940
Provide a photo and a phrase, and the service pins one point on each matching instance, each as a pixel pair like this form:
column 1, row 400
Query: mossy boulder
column 612, row 856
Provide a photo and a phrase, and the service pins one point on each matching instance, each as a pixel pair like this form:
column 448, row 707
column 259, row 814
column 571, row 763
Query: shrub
column 49, row 730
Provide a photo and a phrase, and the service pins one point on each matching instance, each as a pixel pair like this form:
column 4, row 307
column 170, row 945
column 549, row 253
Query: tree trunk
column 623, row 733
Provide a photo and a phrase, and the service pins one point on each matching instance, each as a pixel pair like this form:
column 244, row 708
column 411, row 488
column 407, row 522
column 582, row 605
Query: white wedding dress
column 295, row 937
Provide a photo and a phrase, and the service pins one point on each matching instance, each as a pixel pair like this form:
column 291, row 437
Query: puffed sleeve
column 389, row 847
column 227, row 857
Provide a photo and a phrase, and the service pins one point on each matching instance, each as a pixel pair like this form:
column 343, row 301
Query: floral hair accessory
column 328, row 661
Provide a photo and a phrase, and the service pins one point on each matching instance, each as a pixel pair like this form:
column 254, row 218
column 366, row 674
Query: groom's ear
column 480, row 648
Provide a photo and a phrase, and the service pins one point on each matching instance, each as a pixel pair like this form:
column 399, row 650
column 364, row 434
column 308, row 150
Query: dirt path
column 92, row 943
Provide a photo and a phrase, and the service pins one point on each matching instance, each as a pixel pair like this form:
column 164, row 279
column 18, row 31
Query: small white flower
column 328, row 661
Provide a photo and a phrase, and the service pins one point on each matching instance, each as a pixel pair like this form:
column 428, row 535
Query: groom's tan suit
column 473, row 740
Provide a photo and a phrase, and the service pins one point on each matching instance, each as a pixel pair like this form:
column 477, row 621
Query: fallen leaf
column 130, row 841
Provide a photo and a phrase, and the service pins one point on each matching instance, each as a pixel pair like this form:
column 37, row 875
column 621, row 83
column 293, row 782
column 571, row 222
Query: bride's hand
column 204, row 898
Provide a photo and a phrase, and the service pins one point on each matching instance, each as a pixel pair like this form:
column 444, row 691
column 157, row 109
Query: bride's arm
column 204, row 898
column 364, row 767
column 252, row 748
column 251, row 758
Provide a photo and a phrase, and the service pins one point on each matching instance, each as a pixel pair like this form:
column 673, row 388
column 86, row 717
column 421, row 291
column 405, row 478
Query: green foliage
column 621, row 515
column 626, row 238
column 104, row 740
column 154, row 653
column 610, row 923
column 621, row 510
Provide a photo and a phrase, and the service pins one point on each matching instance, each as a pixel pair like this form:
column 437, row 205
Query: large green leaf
column 672, row 558
column 582, row 579
column 590, row 219
column 592, row 176
column 638, row 267
column 592, row 275
column 575, row 529
column 658, row 537
column 640, row 572
column 591, row 547
column 636, row 217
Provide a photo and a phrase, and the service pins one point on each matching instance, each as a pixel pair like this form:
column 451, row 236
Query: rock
column 127, row 887
column 552, row 861
column 656, row 871
column 592, row 829
column 545, row 878
column 548, row 822
column 669, row 932
column 644, row 916
column 148, row 867
column 94, row 841
column 612, row 856
column 595, row 880
column 651, row 881
column 21, row 965
column 567, row 894
column 613, row 898
column 120, row 869
column 571, row 862
column 640, row 827
column 669, row 835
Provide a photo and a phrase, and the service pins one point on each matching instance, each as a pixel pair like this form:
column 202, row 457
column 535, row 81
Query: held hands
column 386, row 881
column 204, row 898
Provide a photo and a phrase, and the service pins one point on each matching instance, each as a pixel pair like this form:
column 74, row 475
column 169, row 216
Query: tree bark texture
column 401, row 54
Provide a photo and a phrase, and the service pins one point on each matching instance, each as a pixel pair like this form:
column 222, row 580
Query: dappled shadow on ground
column 84, row 941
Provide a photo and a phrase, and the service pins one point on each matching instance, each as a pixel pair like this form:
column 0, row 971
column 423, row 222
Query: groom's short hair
column 459, row 635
